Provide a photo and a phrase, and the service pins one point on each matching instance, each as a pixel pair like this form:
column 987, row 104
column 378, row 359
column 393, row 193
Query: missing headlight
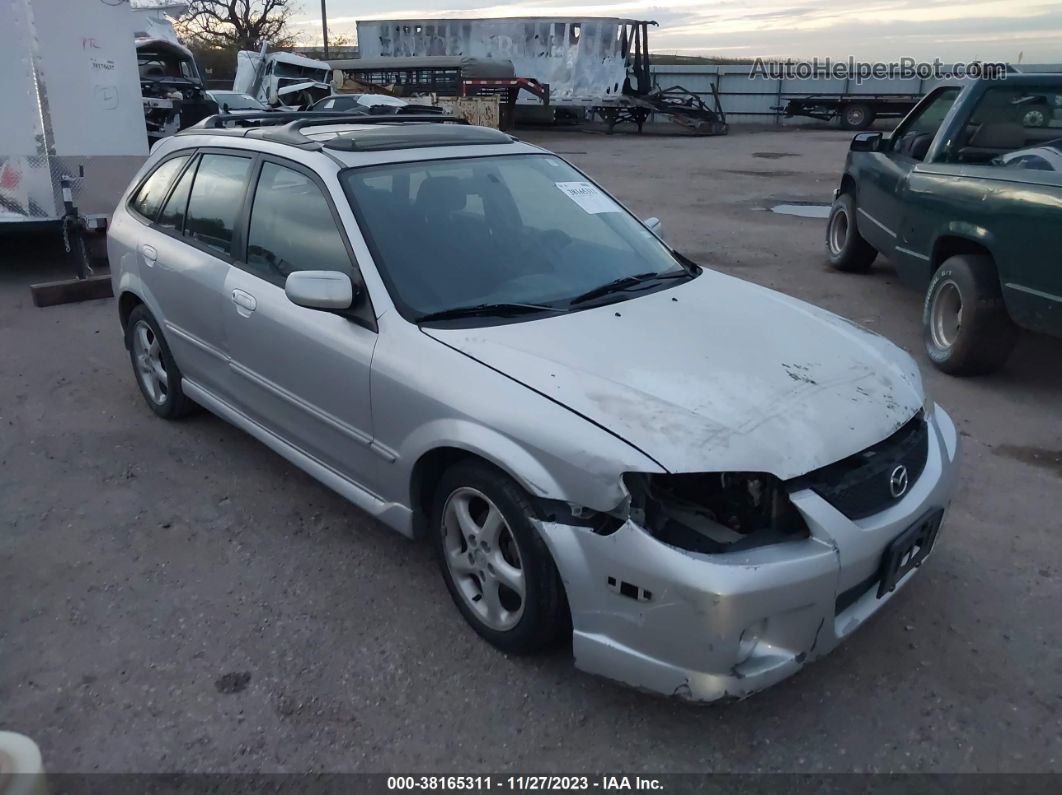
column 714, row 512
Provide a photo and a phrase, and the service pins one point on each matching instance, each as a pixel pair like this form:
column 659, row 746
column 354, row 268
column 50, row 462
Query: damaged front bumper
column 707, row 627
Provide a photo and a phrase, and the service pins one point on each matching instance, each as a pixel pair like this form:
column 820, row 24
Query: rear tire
column 494, row 562
column 846, row 249
column 857, row 116
column 156, row 372
column 965, row 325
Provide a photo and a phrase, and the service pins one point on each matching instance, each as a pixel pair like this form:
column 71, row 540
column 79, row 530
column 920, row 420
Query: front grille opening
column 859, row 485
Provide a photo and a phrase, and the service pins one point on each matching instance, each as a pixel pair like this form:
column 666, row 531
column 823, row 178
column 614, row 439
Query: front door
column 879, row 203
column 301, row 373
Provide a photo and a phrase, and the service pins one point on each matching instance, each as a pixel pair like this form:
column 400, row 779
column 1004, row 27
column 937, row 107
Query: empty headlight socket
column 714, row 512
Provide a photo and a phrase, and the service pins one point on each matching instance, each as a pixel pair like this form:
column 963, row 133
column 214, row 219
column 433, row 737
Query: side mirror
column 866, row 142
column 319, row 289
column 656, row 226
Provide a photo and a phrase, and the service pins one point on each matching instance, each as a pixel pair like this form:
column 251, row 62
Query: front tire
column 965, row 325
column 846, row 249
column 156, row 372
column 494, row 562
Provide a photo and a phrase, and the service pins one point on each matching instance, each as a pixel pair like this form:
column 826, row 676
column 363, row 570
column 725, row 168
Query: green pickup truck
column 964, row 197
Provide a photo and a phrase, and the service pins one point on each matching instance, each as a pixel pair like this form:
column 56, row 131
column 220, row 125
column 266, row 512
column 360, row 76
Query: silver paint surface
column 715, row 374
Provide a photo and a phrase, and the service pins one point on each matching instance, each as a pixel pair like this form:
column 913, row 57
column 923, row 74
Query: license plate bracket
column 908, row 550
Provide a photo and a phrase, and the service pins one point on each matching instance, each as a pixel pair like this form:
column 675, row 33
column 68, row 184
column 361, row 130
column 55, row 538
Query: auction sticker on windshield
column 589, row 197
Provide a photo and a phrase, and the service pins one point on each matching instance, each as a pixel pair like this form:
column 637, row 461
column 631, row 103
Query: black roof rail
column 285, row 127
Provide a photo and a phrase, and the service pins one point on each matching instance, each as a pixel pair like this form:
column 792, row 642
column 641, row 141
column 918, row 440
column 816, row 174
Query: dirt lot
column 177, row 597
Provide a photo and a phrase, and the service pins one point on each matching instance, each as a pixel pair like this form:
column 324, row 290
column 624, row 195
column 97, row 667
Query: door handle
column 149, row 253
column 244, row 300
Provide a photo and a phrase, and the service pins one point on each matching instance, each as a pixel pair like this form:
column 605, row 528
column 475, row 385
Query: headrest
column 441, row 195
column 999, row 135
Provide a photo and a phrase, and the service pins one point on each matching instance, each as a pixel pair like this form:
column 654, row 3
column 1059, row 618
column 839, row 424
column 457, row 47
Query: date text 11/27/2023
column 522, row 783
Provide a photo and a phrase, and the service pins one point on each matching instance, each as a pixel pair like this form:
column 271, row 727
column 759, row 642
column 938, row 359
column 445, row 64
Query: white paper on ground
column 588, row 196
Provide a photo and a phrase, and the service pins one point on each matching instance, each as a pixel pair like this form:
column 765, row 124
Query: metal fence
column 748, row 100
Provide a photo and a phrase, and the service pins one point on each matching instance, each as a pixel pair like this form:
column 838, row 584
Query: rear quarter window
column 153, row 191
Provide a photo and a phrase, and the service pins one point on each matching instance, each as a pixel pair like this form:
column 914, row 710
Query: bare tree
column 237, row 24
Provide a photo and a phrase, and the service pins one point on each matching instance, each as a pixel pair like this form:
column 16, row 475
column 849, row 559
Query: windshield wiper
column 488, row 310
column 625, row 283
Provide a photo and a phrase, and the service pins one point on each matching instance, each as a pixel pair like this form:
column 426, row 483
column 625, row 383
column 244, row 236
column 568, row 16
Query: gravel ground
column 175, row 597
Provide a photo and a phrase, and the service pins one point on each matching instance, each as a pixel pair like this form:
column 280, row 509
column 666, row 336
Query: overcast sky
column 869, row 30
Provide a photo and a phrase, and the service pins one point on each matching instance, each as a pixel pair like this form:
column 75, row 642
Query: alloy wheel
column 483, row 559
column 147, row 353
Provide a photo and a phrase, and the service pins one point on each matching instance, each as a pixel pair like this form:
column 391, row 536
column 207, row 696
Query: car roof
column 368, row 140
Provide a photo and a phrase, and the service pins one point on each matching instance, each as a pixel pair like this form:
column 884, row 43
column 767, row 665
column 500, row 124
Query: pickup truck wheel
column 965, row 324
column 856, row 116
column 846, row 249
column 495, row 564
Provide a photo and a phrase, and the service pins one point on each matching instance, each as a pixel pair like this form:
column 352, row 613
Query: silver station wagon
column 702, row 483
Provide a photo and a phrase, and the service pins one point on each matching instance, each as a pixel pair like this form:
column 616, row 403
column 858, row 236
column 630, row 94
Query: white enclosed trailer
column 72, row 106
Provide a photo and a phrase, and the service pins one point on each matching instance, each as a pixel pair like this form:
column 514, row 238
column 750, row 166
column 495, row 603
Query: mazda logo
column 898, row 481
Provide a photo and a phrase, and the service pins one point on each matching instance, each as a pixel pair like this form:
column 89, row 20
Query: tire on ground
column 857, row 116
column 546, row 618
column 976, row 335
column 846, row 249
column 176, row 404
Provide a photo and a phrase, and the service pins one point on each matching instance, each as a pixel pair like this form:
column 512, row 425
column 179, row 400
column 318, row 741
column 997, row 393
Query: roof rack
column 285, row 127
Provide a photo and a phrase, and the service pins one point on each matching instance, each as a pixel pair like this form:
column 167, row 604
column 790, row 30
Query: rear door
column 302, row 373
column 192, row 247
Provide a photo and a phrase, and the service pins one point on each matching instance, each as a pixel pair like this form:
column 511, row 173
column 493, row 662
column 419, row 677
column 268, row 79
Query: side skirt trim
column 392, row 514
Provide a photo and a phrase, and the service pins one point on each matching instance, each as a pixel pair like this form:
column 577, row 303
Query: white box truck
column 72, row 107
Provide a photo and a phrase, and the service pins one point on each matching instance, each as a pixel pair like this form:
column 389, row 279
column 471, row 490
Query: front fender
column 489, row 445
column 427, row 396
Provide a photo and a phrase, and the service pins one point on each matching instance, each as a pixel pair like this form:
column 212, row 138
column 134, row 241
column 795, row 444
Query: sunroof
column 415, row 136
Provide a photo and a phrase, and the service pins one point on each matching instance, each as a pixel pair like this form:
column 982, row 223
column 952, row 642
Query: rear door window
column 216, row 199
column 172, row 215
column 292, row 227
column 151, row 194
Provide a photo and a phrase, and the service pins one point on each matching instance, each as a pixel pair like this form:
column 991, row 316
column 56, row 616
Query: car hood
column 714, row 374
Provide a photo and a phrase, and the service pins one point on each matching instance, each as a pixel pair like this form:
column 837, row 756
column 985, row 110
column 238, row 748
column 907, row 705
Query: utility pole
column 324, row 26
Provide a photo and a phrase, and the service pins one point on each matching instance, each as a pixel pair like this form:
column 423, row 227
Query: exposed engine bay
column 715, row 512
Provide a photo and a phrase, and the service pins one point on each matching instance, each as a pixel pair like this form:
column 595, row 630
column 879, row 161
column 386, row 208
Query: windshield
column 237, row 101
column 524, row 229
column 283, row 69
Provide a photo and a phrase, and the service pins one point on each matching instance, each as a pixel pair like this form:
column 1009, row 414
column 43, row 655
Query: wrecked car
column 703, row 484
column 963, row 198
column 173, row 91
column 282, row 79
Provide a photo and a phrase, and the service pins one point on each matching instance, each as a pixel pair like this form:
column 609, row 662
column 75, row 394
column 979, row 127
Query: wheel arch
column 430, row 465
column 127, row 302
column 848, row 185
column 949, row 245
